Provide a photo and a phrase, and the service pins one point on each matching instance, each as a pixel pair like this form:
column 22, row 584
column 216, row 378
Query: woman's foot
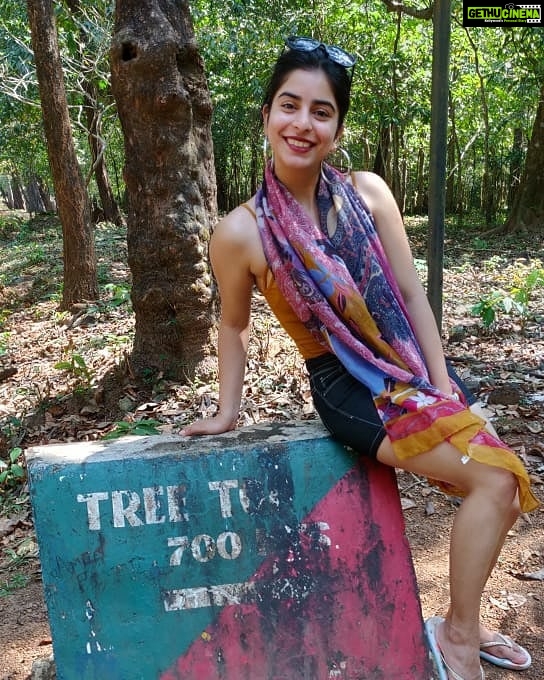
column 457, row 653
column 503, row 651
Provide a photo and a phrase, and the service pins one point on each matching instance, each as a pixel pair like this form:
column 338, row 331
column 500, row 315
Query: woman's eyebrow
column 319, row 102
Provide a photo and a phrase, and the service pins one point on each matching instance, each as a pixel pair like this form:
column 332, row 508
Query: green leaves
column 516, row 303
column 142, row 427
column 76, row 365
column 12, row 472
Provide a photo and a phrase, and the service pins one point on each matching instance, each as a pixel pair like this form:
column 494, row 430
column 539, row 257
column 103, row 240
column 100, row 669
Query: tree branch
column 393, row 6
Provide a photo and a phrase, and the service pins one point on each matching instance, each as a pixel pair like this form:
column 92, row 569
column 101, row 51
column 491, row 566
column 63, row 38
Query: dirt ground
column 58, row 406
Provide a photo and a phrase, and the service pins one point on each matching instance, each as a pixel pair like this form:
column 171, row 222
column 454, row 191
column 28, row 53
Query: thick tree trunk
column 80, row 279
column 527, row 211
column 165, row 110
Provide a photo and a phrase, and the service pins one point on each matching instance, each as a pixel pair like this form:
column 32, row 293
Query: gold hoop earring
column 344, row 167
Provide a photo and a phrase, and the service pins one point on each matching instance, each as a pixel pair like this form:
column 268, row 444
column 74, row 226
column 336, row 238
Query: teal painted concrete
column 144, row 541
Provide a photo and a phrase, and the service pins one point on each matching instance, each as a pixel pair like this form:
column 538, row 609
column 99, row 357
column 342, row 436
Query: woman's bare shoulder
column 374, row 191
column 366, row 181
column 234, row 226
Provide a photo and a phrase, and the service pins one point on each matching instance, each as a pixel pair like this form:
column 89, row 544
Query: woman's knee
column 502, row 485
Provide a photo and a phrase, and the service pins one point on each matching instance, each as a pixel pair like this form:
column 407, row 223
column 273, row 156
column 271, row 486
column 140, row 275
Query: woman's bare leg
column 478, row 532
column 487, row 635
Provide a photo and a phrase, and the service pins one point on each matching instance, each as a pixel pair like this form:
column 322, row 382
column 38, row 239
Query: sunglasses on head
column 336, row 54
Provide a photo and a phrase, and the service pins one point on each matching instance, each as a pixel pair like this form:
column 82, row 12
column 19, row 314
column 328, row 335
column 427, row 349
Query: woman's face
column 302, row 122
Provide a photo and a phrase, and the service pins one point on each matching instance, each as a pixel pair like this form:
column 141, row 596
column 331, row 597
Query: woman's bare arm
column 231, row 265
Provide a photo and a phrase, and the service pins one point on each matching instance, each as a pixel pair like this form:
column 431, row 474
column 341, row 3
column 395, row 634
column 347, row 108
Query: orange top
column 303, row 339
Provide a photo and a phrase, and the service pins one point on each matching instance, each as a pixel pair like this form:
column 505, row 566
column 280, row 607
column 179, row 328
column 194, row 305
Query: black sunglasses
column 336, row 54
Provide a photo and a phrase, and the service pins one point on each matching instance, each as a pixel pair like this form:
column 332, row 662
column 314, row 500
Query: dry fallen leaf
column 500, row 604
column 533, row 576
column 8, row 524
column 407, row 503
column 429, row 508
column 516, row 600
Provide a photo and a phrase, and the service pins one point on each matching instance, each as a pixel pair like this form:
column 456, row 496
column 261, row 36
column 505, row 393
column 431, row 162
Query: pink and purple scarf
column 343, row 290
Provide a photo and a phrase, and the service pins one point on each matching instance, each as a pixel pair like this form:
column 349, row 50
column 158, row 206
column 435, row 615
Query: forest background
column 496, row 80
column 81, row 363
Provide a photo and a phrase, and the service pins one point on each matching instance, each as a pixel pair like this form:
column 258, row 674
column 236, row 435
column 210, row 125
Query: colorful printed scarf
column 344, row 292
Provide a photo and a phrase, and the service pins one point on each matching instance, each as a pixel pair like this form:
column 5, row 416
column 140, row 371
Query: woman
column 330, row 254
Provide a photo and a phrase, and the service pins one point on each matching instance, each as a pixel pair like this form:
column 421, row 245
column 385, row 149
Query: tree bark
column 80, row 277
column 165, row 110
column 527, row 211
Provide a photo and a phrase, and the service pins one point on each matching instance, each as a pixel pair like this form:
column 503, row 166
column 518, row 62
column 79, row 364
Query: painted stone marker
column 269, row 553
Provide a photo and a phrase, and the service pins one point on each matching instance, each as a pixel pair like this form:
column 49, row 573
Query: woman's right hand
column 215, row 425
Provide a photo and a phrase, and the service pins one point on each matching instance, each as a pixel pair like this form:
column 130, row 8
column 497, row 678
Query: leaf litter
column 87, row 400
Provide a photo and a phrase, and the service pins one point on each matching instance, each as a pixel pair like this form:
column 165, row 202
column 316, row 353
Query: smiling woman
column 330, row 254
column 302, row 129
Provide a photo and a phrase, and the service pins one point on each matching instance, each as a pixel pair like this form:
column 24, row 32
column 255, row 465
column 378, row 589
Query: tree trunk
column 381, row 160
column 487, row 201
column 516, row 164
column 421, row 204
column 165, row 111
column 17, row 193
column 527, row 211
column 33, row 196
column 110, row 208
column 451, row 180
column 48, row 203
column 80, row 278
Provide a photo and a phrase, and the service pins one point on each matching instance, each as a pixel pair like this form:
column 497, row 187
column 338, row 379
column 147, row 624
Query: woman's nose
column 303, row 120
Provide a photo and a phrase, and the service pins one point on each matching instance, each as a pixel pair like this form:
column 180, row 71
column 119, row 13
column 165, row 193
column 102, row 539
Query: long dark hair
column 290, row 60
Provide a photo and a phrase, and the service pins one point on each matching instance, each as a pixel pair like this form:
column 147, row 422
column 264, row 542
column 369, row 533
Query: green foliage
column 138, row 427
column 119, row 294
column 12, row 561
column 75, row 365
column 10, row 225
column 239, row 41
column 84, row 38
column 515, row 303
column 110, row 340
column 4, row 338
column 12, row 472
column 13, row 583
column 480, row 243
column 487, row 306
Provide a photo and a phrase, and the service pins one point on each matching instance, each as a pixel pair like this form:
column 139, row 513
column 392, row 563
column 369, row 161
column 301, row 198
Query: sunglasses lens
column 302, row 44
column 340, row 56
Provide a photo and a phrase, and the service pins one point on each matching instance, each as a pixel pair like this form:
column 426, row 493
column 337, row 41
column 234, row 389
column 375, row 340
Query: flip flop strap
column 455, row 675
column 503, row 641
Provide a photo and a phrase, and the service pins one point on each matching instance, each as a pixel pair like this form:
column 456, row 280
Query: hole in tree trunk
column 129, row 51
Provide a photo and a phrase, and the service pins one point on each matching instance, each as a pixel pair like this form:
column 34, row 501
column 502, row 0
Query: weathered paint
column 271, row 553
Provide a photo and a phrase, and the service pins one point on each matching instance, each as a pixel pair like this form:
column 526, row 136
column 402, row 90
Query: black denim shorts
column 346, row 406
